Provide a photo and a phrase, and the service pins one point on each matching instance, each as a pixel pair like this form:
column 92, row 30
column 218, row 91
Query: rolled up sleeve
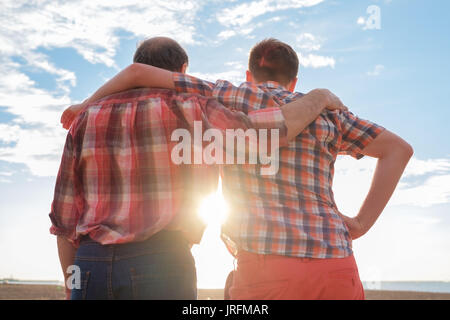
column 357, row 133
column 64, row 213
column 187, row 84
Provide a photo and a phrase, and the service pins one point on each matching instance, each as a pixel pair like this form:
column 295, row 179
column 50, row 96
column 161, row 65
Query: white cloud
column 417, row 167
column 376, row 70
column 353, row 178
column 244, row 13
column 90, row 26
column 8, row 133
column 226, row 34
column 18, row 93
column 39, row 149
column 434, row 186
column 239, row 18
column 34, row 137
column 434, row 190
column 64, row 79
column 316, row 61
column 308, row 42
column 275, row 19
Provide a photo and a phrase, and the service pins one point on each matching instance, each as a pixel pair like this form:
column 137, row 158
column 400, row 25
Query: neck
column 269, row 80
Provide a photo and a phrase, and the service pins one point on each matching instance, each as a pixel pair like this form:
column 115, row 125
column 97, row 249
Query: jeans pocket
column 173, row 283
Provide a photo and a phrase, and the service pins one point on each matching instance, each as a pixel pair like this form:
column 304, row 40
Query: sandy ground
column 49, row 292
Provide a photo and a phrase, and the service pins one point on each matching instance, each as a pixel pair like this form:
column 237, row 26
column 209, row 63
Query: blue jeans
column 160, row 268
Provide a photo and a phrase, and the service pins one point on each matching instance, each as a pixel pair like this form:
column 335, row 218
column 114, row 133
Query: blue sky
column 55, row 53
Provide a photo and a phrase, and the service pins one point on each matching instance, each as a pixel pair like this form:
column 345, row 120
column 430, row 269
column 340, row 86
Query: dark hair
column 161, row 52
column 273, row 60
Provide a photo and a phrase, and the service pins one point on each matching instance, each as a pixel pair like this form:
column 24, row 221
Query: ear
column 248, row 76
column 292, row 84
column 184, row 67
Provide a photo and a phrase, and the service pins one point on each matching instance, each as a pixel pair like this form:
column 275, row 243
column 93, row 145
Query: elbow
column 400, row 151
column 135, row 75
column 405, row 150
column 390, row 146
column 133, row 70
column 409, row 151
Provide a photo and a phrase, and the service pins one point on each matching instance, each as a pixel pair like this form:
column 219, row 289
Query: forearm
column 135, row 75
column 300, row 113
column 66, row 252
column 386, row 177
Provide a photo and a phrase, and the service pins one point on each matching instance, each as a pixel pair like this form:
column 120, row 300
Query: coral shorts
column 272, row 277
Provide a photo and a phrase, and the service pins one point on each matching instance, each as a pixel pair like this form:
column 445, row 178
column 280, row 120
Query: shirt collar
column 271, row 85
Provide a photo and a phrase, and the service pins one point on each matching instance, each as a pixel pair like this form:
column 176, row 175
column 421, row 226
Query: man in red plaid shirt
column 120, row 197
column 289, row 237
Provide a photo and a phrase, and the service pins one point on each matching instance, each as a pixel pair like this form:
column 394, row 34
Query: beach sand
column 52, row 292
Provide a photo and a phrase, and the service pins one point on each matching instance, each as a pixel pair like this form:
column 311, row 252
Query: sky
column 386, row 59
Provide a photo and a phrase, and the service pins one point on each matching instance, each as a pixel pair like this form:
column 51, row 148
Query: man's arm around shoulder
column 300, row 113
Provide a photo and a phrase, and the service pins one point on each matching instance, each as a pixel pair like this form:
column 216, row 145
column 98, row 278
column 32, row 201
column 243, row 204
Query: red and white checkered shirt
column 291, row 213
column 117, row 181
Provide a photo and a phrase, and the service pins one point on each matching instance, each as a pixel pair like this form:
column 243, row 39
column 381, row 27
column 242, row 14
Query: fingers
column 340, row 107
column 337, row 105
column 62, row 117
column 65, row 116
column 69, row 115
column 333, row 101
column 67, row 119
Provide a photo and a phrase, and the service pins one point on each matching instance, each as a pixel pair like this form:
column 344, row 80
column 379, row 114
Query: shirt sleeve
column 356, row 133
column 64, row 213
column 187, row 84
column 230, row 96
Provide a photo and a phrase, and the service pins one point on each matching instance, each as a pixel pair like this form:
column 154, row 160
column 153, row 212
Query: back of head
column 273, row 60
column 161, row 52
